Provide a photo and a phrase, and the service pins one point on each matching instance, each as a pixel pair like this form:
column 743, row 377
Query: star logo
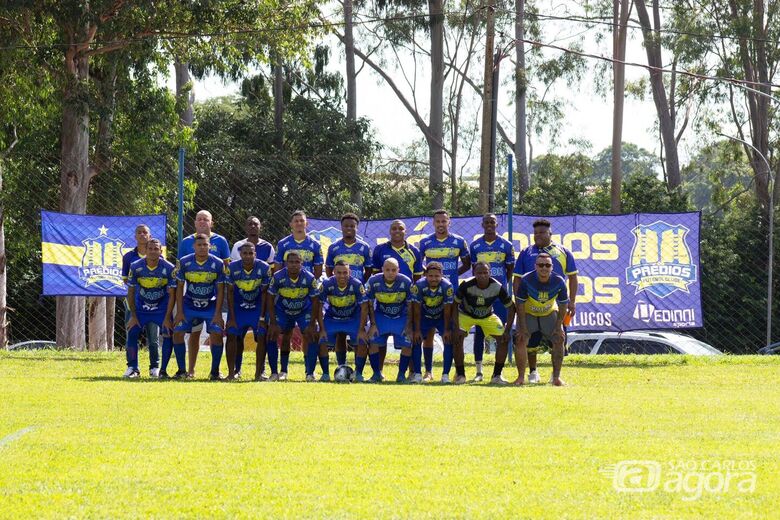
column 103, row 231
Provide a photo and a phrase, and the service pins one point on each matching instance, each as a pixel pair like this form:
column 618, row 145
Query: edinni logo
column 661, row 259
column 101, row 263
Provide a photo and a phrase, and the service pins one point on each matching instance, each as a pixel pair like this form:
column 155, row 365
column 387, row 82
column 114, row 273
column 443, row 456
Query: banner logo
column 101, row 263
column 661, row 259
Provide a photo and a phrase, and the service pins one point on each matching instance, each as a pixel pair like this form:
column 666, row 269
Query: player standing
column 264, row 250
column 199, row 294
column 446, row 248
column 248, row 278
column 151, row 286
column 538, row 293
column 433, row 309
column 499, row 254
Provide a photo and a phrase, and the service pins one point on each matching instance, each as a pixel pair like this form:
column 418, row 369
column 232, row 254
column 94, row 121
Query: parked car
column 36, row 344
column 769, row 350
column 637, row 342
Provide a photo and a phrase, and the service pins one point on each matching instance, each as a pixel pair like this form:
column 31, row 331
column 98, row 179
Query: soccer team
column 399, row 292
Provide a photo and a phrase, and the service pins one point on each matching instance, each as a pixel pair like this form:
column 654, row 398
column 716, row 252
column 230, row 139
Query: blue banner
column 82, row 254
column 637, row 271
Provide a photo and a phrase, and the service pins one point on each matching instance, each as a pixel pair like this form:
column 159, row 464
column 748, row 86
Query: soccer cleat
column 282, row 376
column 163, row 375
column 498, row 380
column 401, row 378
column 417, row 378
column 310, row 378
column 237, row 376
column 359, row 378
column 262, row 377
column 428, row 377
column 131, row 373
column 445, row 378
column 377, row 378
column 181, row 374
column 216, row 377
column 154, row 372
column 460, row 380
column 534, row 378
column 272, row 377
column 557, row 381
column 478, row 378
column 325, row 378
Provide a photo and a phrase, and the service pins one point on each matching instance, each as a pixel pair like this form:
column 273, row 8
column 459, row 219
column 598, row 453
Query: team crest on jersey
column 101, row 263
column 661, row 259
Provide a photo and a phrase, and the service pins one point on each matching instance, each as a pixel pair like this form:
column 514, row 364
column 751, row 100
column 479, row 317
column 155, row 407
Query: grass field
column 78, row 441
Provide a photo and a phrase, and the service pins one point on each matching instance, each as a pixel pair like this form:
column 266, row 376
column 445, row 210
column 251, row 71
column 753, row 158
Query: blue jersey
column 218, row 246
column 128, row 259
column 432, row 301
column 343, row 304
column 391, row 299
column 293, row 296
column 539, row 299
column 309, row 249
column 151, row 285
column 498, row 254
column 562, row 260
column 248, row 285
column 357, row 256
column 408, row 256
column 447, row 252
column 202, row 280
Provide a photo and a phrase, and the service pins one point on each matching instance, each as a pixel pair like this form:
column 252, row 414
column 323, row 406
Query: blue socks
column 180, row 350
column 285, row 360
column 447, row 358
column 479, row 344
column 272, row 352
column 216, row 358
column 417, row 359
column 374, row 360
column 325, row 364
column 428, row 355
column 341, row 357
column 403, row 366
column 310, row 359
column 239, row 359
column 167, row 350
column 360, row 363
column 131, row 349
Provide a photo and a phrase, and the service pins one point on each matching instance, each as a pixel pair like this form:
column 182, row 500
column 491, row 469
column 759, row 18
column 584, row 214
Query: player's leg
column 521, row 347
column 179, row 347
column 131, row 352
column 361, row 355
column 167, row 351
column 216, row 347
column 502, row 348
column 230, row 350
column 458, row 358
column 428, row 353
column 240, row 353
column 193, row 347
column 260, row 353
column 374, row 358
column 382, row 356
column 311, row 346
column 403, row 364
column 341, row 348
column 547, row 326
column 284, row 352
column 152, row 332
column 534, row 346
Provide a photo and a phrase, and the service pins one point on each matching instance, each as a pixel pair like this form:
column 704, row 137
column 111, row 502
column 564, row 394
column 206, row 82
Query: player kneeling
column 249, row 278
column 537, row 295
column 151, row 286
column 389, row 318
column 346, row 313
column 295, row 294
column 432, row 309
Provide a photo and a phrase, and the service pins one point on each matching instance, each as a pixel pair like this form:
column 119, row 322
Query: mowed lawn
column 78, row 441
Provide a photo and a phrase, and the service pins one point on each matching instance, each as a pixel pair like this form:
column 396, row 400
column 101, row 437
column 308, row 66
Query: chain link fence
column 733, row 242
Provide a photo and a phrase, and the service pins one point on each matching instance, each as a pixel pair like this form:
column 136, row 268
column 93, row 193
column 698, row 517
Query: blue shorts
column 146, row 318
column 245, row 321
column 193, row 318
column 287, row 322
column 391, row 327
column 349, row 327
column 427, row 324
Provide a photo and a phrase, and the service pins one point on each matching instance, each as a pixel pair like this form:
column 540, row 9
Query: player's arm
column 263, row 304
column 465, row 259
column 317, row 270
column 574, row 286
column 367, row 272
column 450, row 311
column 217, row 319
column 231, row 309
column 321, row 322
column 179, row 303
column 167, row 323
column 362, row 335
column 316, row 311
column 522, row 326
column 131, row 307
column 415, row 313
column 328, row 271
column 373, row 331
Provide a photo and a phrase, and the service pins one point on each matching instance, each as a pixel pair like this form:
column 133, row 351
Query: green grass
column 104, row 447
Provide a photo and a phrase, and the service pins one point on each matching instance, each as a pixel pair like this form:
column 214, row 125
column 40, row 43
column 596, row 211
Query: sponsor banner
column 636, row 271
column 82, row 254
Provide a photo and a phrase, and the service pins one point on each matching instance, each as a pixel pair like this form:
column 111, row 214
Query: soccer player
column 446, row 248
column 391, row 291
column 151, row 285
column 218, row 246
column 563, row 265
column 308, row 249
column 475, row 298
column 498, row 253
column 357, row 255
column 264, row 250
column 346, row 313
column 199, row 294
column 432, row 308
column 295, row 293
column 142, row 235
column 249, row 279
column 538, row 293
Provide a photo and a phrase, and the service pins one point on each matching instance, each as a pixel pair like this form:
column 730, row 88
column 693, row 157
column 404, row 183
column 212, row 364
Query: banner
column 637, row 271
column 82, row 254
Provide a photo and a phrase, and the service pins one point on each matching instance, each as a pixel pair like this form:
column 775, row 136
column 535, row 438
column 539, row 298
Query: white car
column 637, row 342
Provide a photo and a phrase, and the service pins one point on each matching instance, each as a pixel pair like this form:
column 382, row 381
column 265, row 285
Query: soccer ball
column 344, row 374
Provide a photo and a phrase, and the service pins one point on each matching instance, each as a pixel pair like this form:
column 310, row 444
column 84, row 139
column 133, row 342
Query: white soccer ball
column 344, row 374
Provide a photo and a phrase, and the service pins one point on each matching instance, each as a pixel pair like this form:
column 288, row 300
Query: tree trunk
column 652, row 39
column 349, row 52
column 487, row 111
column 436, row 121
column 521, row 87
column 278, row 92
column 97, row 324
column 3, row 279
column 187, row 116
column 110, row 321
column 75, row 177
column 620, row 19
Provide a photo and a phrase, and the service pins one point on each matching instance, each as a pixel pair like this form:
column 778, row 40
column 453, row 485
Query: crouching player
column 201, row 286
column 249, row 278
column 345, row 314
column 475, row 298
column 295, row 293
column 432, row 310
column 537, row 295
column 389, row 318
column 151, row 285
